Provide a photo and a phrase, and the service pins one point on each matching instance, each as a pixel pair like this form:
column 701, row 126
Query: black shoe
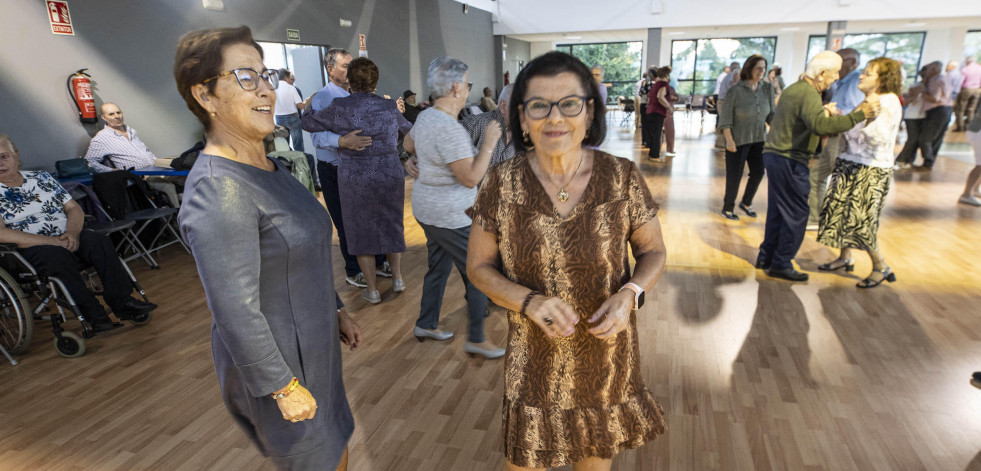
column 848, row 265
column 788, row 274
column 134, row 308
column 730, row 215
column 976, row 375
column 652, row 156
column 760, row 264
column 747, row 209
column 887, row 275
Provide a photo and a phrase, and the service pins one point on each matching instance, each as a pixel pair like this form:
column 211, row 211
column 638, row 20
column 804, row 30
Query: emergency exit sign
column 292, row 35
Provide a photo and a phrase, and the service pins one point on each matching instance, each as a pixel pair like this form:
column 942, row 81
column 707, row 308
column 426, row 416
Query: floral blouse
column 37, row 206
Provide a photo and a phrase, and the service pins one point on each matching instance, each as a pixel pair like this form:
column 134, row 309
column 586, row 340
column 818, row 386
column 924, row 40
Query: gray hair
column 7, row 139
column 505, row 96
column 443, row 73
column 824, row 60
column 597, row 66
column 330, row 59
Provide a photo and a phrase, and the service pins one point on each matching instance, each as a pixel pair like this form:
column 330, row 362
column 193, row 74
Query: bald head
column 113, row 116
column 952, row 65
column 849, row 60
column 970, row 60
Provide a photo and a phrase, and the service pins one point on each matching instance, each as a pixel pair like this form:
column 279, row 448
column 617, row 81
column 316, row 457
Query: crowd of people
column 519, row 198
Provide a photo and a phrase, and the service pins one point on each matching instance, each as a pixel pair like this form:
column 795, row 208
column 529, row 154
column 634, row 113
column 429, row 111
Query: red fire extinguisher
column 80, row 88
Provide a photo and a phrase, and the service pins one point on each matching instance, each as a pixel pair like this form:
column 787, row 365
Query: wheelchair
column 20, row 283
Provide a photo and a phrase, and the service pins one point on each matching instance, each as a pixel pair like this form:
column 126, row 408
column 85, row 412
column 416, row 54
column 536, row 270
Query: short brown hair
column 362, row 74
column 664, row 72
column 746, row 72
column 199, row 57
column 889, row 73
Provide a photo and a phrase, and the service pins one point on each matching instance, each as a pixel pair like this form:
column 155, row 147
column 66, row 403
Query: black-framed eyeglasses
column 248, row 78
column 570, row 107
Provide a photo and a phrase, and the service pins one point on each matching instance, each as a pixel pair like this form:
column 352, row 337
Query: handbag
column 70, row 168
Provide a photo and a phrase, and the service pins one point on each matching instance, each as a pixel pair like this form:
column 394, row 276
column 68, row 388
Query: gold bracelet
column 289, row 389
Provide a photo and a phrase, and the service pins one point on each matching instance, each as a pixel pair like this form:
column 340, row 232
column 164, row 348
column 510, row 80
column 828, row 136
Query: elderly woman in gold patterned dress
column 549, row 242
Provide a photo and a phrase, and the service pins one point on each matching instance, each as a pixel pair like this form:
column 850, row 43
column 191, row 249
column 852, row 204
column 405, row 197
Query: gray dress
column 262, row 247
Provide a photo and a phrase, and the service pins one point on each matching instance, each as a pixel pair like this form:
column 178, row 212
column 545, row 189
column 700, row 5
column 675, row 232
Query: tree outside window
column 904, row 47
column 697, row 63
column 621, row 63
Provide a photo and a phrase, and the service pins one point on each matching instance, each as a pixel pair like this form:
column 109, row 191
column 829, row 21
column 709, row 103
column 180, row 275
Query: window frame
column 695, row 78
column 611, row 96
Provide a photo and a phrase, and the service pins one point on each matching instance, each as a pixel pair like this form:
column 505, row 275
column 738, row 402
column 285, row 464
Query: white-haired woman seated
column 46, row 224
column 799, row 119
column 447, row 170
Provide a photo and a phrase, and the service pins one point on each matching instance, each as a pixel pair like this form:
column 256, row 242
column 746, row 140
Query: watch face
column 640, row 300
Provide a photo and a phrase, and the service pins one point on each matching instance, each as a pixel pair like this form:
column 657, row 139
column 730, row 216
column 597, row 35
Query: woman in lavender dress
column 371, row 182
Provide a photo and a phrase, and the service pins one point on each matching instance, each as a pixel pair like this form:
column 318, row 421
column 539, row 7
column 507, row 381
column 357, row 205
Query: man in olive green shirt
column 798, row 122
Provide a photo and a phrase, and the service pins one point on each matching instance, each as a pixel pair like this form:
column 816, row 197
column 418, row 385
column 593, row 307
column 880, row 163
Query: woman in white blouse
column 862, row 177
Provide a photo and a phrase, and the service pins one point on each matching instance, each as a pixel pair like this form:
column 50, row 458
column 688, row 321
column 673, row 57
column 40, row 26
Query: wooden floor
column 753, row 373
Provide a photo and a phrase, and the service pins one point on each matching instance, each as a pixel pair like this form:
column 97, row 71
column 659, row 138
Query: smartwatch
column 638, row 294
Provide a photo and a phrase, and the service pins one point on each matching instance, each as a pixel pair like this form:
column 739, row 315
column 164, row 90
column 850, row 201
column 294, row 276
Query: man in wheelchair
column 46, row 225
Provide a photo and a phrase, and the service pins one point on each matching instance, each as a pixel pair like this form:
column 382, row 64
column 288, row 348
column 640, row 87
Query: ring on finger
column 548, row 321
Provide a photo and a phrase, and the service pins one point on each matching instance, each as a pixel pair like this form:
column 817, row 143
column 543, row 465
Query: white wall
column 540, row 47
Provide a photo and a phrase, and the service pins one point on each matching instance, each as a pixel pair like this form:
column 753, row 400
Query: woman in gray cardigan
column 262, row 246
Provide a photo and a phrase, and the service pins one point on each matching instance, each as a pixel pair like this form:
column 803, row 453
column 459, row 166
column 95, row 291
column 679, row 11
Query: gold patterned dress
column 569, row 398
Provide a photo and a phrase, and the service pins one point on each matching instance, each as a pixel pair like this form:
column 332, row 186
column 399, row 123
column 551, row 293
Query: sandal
column 848, row 265
column 747, row 209
column 887, row 275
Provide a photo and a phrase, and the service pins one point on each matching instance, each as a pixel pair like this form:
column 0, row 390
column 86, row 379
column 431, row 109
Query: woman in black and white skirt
column 862, row 177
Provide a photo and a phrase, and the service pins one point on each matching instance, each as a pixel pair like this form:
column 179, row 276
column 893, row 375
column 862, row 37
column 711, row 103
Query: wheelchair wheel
column 142, row 319
column 16, row 318
column 69, row 344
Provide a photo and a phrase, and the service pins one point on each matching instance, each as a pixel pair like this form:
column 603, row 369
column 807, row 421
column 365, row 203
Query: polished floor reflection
column 753, row 373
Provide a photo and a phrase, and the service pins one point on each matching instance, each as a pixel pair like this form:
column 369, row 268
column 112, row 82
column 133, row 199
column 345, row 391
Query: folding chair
column 627, row 105
column 130, row 202
column 129, row 242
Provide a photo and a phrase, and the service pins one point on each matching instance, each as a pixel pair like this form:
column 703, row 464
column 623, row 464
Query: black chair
column 126, row 196
column 627, row 106
column 128, row 242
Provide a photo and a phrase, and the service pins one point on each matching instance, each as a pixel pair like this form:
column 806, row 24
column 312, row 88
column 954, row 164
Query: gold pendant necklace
column 563, row 195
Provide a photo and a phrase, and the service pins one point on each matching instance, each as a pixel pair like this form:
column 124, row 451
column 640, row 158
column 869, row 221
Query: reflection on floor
column 753, row 373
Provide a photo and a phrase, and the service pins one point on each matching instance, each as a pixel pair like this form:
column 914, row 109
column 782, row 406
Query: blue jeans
column 292, row 122
column 448, row 247
column 786, row 213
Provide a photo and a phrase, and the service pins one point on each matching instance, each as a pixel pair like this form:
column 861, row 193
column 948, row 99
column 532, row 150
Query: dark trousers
column 645, row 124
column 786, row 214
column 932, row 135
column 751, row 154
column 448, row 247
column 914, row 127
column 656, row 121
column 332, row 197
column 292, row 122
column 95, row 250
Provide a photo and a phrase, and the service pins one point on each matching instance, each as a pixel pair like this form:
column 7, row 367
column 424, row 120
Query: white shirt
column 873, row 144
column 125, row 151
column 438, row 199
column 286, row 99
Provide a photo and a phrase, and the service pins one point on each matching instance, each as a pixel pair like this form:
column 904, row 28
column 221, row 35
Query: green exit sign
column 292, row 35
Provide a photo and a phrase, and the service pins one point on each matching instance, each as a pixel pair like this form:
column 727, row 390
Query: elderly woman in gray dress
column 262, row 246
column 447, row 170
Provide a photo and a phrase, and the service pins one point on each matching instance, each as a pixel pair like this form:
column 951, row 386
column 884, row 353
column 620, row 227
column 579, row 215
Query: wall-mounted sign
column 362, row 46
column 61, row 22
column 292, row 35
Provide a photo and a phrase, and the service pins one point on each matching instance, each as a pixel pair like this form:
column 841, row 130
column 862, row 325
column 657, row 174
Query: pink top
column 972, row 76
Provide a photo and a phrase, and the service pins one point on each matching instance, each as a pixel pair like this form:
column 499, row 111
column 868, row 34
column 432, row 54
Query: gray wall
column 129, row 47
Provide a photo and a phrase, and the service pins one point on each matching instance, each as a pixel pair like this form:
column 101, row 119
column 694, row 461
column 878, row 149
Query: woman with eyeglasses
column 552, row 229
column 447, row 171
column 262, row 246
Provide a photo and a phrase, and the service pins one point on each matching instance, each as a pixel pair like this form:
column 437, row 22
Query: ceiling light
column 573, row 37
column 676, row 33
column 915, row 24
column 793, row 28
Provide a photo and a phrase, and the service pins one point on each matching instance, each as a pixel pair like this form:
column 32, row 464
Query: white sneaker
column 969, row 200
column 398, row 286
column 373, row 297
column 670, row 154
column 811, row 227
column 384, row 270
column 357, row 280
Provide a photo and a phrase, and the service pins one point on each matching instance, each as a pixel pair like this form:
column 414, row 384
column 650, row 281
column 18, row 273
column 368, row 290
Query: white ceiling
column 749, row 30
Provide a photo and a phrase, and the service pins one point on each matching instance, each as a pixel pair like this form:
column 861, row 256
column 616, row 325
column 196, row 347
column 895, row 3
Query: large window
column 697, row 63
column 620, row 61
column 905, row 47
column 972, row 44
